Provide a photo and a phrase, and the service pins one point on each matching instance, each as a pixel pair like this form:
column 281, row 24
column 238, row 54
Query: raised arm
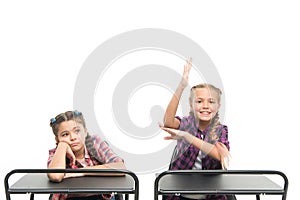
column 169, row 117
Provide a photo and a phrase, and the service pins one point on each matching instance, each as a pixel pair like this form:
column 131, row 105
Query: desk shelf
column 225, row 182
column 35, row 181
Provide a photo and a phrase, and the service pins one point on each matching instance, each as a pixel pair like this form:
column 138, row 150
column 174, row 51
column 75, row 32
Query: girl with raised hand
column 202, row 141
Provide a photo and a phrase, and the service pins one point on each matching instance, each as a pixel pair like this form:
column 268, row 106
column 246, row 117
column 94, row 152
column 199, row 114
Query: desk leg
column 126, row 196
column 32, row 196
column 257, row 197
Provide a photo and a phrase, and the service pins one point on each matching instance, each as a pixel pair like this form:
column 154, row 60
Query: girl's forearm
column 169, row 117
column 58, row 162
column 205, row 147
column 59, row 158
column 115, row 165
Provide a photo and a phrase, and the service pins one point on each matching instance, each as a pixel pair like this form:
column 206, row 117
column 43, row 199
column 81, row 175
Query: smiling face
column 204, row 103
column 72, row 133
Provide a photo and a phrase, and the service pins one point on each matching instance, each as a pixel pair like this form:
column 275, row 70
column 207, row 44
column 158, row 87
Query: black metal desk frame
column 224, row 182
column 127, row 183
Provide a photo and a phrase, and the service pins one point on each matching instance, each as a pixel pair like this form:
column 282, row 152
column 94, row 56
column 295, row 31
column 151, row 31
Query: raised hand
column 186, row 71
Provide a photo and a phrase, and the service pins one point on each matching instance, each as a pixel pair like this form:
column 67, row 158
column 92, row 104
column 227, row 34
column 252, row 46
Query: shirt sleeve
column 51, row 154
column 223, row 138
column 106, row 154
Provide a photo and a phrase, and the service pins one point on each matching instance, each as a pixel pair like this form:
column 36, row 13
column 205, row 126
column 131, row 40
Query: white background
column 255, row 46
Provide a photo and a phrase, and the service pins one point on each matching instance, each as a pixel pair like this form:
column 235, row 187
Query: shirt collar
column 196, row 126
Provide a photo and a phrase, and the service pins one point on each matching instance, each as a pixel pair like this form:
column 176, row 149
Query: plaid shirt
column 187, row 153
column 104, row 153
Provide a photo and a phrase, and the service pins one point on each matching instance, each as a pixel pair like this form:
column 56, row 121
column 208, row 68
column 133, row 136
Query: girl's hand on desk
column 72, row 175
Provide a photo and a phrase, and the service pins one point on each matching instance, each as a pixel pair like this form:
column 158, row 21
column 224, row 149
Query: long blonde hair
column 215, row 122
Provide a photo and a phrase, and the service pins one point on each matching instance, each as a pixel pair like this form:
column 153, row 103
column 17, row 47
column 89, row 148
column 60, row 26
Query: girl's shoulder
column 95, row 137
column 186, row 119
column 223, row 126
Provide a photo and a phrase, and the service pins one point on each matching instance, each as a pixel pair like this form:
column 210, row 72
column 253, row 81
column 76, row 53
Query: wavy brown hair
column 77, row 117
column 66, row 116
